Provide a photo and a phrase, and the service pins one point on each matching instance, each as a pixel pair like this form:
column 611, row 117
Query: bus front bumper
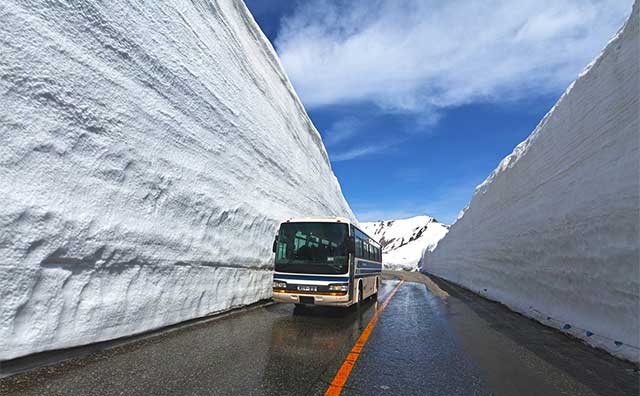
column 338, row 301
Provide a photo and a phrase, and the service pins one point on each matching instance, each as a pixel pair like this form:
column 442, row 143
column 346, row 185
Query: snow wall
column 147, row 153
column 553, row 232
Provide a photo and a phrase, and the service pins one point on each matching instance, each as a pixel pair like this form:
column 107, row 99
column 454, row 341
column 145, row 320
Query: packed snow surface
column 404, row 241
column 553, row 232
column 148, row 151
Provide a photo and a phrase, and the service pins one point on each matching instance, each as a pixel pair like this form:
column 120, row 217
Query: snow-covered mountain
column 554, row 231
column 404, row 241
column 147, row 153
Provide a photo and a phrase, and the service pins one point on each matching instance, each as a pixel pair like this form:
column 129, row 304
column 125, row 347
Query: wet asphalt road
column 432, row 339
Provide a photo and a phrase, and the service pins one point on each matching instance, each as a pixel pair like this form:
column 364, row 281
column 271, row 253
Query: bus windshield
column 315, row 248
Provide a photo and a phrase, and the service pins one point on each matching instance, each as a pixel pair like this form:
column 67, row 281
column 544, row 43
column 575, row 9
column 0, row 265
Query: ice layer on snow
column 148, row 151
column 553, row 232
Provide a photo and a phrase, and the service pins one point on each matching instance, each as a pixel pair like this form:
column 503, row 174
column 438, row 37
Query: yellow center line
column 343, row 374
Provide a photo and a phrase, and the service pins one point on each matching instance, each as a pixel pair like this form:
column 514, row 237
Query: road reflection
column 311, row 340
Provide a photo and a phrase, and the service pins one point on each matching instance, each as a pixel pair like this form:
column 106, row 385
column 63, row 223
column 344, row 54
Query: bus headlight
column 279, row 285
column 339, row 287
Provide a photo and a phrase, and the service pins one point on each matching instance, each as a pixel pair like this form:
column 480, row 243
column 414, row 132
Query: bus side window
column 358, row 247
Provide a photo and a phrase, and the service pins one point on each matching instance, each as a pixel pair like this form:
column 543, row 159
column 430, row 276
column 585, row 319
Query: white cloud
column 348, row 139
column 359, row 151
column 421, row 56
column 341, row 131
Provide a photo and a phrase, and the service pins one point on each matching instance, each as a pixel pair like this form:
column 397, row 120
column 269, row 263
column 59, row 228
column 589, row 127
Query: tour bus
column 325, row 261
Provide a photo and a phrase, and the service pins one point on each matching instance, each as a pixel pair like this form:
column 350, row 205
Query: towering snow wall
column 147, row 152
column 553, row 232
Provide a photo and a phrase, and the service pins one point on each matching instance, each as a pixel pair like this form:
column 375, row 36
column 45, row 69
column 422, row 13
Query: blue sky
column 417, row 101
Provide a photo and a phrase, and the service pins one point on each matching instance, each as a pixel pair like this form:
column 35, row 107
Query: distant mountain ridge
column 404, row 240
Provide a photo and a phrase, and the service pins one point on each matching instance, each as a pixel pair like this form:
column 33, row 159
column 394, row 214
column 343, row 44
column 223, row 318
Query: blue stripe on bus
column 311, row 277
column 368, row 264
column 367, row 272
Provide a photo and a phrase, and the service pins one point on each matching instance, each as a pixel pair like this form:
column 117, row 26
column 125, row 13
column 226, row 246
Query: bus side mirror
column 275, row 244
column 351, row 245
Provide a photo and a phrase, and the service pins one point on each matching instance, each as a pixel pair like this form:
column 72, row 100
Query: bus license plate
column 308, row 288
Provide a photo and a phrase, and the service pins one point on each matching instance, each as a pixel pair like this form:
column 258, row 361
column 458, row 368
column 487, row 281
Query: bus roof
column 318, row 220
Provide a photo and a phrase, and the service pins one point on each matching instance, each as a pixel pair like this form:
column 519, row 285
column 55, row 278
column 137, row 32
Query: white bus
column 325, row 261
